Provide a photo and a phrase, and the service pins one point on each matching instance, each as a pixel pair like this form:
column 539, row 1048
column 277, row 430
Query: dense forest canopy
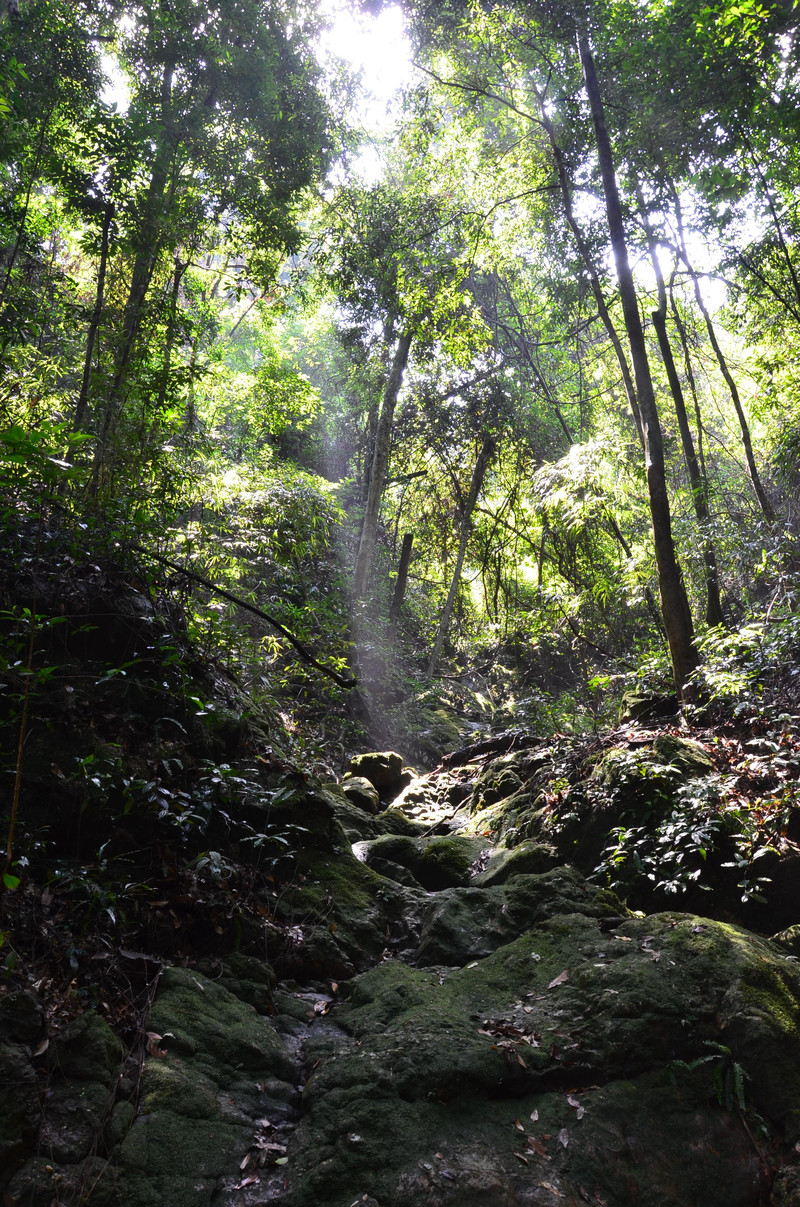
column 399, row 625
column 496, row 402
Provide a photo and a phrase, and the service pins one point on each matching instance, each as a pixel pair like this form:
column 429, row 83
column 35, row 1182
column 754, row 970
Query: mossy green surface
column 566, row 1035
column 435, row 862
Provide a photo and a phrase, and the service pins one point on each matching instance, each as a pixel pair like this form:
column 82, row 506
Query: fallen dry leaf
column 250, row 1180
column 521, row 1157
column 535, row 1116
column 563, row 1137
column 560, row 979
column 152, row 1040
column 552, row 1189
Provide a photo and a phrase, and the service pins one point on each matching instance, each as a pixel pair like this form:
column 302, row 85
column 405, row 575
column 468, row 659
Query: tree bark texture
column 402, row 579
column 697, row 480
column 674, row 603
column 380, row 463
column 476, row 482
column 594, row 280
column 766, row 507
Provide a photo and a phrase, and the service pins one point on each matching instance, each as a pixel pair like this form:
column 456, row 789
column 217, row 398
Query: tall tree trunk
column 148, row 246
column 680, row 327
column 172, row 326
column 400, row 584
column 755, row 478
column 97, row 313
column 476, row 482
column 586, row 256
column 34, row 176
column 380, row 462
column 674, row 604
column 697, row 481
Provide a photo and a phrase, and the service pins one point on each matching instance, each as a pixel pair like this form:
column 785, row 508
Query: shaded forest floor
column 160, row 821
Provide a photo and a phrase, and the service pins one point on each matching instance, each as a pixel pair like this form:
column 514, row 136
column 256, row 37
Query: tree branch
column 242, row 603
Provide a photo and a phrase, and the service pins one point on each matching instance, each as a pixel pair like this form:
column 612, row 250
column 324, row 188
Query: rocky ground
column 549, row 971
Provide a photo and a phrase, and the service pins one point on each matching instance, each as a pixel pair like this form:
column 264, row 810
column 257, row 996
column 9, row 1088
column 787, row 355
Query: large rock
column 576, row 1065
column 464, row 924
column 383, row 769
column 435, row 862
column 85, row 1063
column 216, row 1069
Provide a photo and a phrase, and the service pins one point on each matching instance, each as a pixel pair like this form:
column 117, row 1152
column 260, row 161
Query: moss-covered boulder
column 576, row 1064
column 463, row 924
column 342, row 916
column 529, row 858
column 85, row 1061
column 384, row 770
column 666, row 760
column 647, row 706
column 216, row 1068
column 19, row 1108
column 361, row 793
column 437, row 734
column 435, row 862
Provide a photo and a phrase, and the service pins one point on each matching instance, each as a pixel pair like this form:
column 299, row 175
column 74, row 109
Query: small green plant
column 727, row 1074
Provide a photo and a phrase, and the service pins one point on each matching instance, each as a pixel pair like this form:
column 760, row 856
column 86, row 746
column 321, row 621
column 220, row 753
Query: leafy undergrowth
column 159, row 811
column 143, row 820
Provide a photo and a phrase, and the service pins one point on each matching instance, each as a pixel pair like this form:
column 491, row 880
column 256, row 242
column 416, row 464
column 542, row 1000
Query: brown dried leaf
column 521, row 1157
column 563, row 1137
column 521, row 1061
column 537, row 1147
column 518, row 1126
column 250, row 1180
column 152, row 1040
column 572, row 1100
column 41, row 1047
column 560, row 979
column 535, row 1116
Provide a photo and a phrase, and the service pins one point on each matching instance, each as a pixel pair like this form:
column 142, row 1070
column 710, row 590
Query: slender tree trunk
column 793, row 308
column 380, row 462
column 674, row 604
column 97, row 313
column 697, row 481
column 34, row 176
column 369, row 451
column 594, row 279
column 402, row 579
column 148, row 247
column 172, row 324
column 680, row 327
column 476, row 482
column 766, row 507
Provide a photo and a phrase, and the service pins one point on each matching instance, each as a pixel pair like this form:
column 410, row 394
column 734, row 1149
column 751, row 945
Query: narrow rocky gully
column 436, row 1008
